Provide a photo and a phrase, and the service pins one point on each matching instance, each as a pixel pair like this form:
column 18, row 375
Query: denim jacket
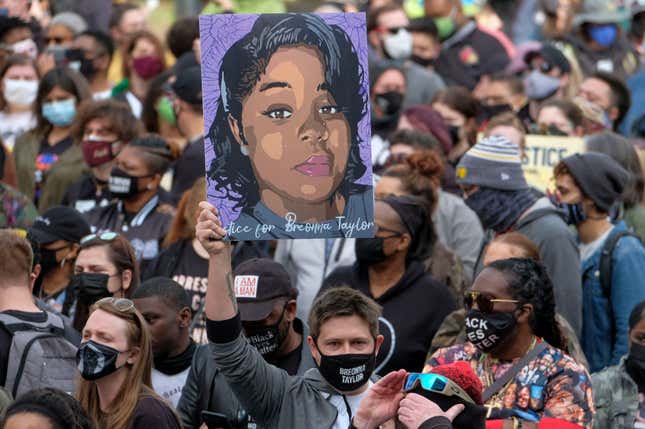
column 605, row 321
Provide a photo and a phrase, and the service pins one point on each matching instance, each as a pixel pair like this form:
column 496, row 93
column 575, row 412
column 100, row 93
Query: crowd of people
column 482, row 301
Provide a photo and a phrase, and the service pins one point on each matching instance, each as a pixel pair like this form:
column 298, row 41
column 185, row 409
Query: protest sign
column 542, row 153
column 286, row 119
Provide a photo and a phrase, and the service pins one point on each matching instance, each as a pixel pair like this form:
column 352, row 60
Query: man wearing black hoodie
column 491, row 176
column 389, row 269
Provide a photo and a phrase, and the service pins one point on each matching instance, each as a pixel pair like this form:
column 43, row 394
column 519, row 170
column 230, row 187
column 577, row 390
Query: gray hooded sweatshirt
column 544, row 225
column 275, row 399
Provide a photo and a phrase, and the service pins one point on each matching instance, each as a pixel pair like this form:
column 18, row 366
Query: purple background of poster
column 218, row 33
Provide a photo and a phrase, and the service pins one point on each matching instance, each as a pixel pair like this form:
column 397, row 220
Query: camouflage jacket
column 17, row 210
column 616, row 397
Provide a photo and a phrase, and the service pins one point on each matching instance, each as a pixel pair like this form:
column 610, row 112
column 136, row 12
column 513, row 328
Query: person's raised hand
column 381, row 401
column 209, row 229
column 414, row 410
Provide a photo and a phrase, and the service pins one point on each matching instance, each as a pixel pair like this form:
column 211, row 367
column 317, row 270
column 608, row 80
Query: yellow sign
column 542, row 153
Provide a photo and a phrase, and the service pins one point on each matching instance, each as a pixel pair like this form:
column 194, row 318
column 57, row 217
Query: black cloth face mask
column 389, row 102
column 124, row 186
column 635, row 363
column 369, row 251
column 488, row 330
column 90, row 287
column 267, row 339
column 346, row 373
column 96, row 360
column 48, row 260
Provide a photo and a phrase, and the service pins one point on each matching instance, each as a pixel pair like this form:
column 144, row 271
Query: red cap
column 462, row 373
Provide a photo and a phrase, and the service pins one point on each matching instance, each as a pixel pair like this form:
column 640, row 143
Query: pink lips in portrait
column 316, row 166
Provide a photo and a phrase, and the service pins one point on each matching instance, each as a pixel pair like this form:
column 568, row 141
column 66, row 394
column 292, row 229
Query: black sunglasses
column 484, row 302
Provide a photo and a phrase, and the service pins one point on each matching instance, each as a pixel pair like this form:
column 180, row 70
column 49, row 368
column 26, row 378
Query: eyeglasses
column 435, row 383
column 484, row 302
column 105, row 236
column 121, row 304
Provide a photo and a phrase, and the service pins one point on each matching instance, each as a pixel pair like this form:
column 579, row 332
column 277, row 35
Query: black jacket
column 146, row 230
column 468, row 55
column 413, row 310
column 188, row 168
column 206, row 387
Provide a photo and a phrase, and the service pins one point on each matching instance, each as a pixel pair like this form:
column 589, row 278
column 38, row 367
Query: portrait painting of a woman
column 288, row 154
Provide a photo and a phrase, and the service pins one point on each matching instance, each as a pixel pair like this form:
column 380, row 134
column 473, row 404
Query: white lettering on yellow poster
column 542, row 154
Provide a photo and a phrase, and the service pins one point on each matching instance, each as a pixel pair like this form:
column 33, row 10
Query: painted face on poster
column 287, row 125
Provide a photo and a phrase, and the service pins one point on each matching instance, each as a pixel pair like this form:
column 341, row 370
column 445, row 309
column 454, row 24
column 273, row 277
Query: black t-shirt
column 6, row 337
column 291, row 361
column 192, row 273
column 153, row 413
column 48, row 156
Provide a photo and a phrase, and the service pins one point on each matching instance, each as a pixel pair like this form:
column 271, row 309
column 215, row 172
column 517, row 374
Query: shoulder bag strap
column 501, row 382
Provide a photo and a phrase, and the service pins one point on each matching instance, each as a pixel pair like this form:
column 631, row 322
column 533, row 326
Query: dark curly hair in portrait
column 529, row 283
column 242, row 66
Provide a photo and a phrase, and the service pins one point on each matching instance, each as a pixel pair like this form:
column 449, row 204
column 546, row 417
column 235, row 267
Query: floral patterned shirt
column 551, row 385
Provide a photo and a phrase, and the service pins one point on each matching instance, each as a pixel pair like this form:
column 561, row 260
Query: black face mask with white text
column 267, row 339
column 346, row 373
column 488, row 330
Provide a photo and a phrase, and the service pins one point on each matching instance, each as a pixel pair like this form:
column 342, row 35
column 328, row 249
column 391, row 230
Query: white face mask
column 20, row 92
column 27, row 47
column 398, row 46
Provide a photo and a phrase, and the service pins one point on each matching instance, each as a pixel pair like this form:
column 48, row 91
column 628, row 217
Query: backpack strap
column 53, row 324
column 606, row 263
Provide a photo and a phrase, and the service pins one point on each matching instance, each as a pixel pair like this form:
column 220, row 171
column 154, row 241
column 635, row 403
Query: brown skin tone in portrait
column 296, row 137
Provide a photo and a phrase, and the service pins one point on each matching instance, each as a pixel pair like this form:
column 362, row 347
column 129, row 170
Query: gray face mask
column 398, row 46
column 540, row 86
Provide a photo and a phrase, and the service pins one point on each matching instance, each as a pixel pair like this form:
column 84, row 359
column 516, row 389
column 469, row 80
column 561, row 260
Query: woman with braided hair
column 515, row 345
column 138, row 211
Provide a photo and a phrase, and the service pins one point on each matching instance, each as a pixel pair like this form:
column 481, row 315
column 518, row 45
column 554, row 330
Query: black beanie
column 600, row 177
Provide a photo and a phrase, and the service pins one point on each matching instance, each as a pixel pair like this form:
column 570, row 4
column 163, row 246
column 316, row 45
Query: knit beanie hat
column 599, row 177
column 494, row 163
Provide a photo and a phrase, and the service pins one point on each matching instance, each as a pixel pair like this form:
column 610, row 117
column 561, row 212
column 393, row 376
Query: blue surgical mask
column 60, row 113
column 604, row 35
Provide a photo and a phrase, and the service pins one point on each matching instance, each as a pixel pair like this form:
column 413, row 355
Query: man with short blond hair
column 20, row 314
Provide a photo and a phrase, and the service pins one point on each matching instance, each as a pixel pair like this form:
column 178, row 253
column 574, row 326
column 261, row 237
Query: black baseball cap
column 258, row 284
column 188, row 85
column 552, row 56
column 59, row 223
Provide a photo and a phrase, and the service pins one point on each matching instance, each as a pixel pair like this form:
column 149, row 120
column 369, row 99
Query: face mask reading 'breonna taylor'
column 346, row 373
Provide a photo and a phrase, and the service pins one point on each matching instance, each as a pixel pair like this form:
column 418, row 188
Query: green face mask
column 166, row 111
column 445, row 26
